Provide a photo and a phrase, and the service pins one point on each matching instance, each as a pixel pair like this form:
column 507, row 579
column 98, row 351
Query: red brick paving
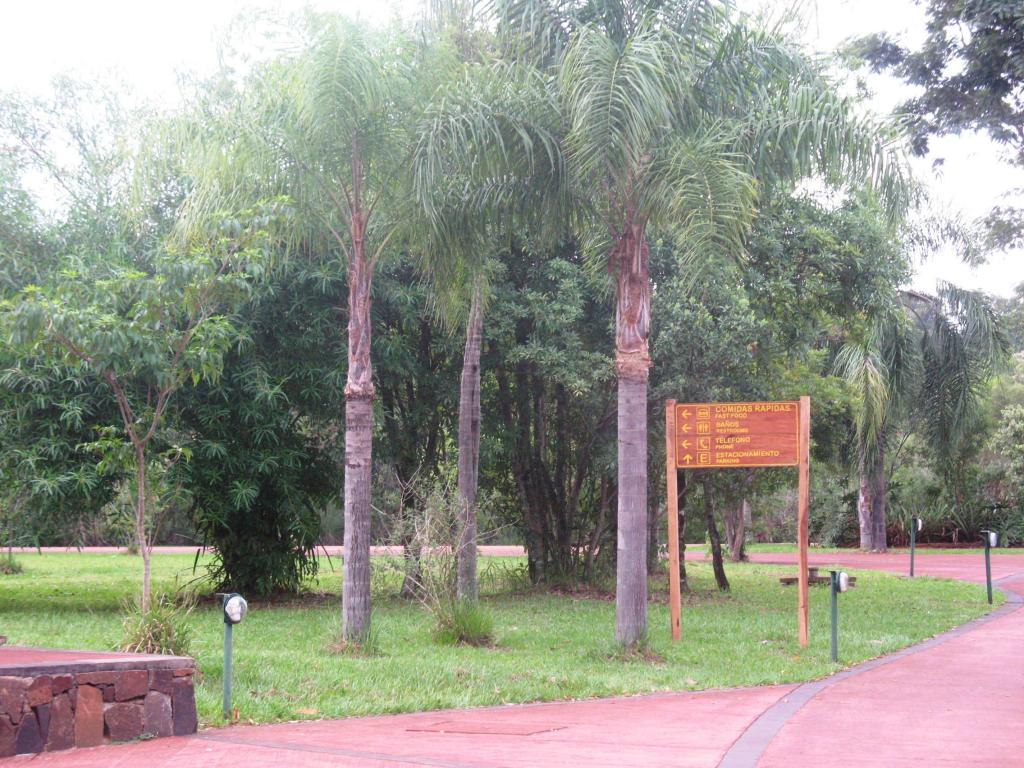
column 670, row 730
column 959, row 702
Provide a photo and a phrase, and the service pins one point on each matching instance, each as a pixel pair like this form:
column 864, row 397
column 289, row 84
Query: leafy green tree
column 549, row 410
column 145, row 329
column 262, row 434
column 970, row 72
column 417, row 365
column 765, row 326
column 47, row 409
column 48, row 484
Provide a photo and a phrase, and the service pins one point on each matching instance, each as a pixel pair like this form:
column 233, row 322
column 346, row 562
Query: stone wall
column 64, row 709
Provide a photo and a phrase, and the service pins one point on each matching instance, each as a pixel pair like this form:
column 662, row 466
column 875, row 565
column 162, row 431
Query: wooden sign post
column 729, row 436
column 672, row 507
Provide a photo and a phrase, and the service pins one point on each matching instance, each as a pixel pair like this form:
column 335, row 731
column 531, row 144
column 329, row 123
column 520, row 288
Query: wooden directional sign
column 730, row 435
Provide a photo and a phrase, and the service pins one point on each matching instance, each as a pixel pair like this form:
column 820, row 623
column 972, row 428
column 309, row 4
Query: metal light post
column 915, row 526
column 235, row 607
column 840, row 583
column 991, row 539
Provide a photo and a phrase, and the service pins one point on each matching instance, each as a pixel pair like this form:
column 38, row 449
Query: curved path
column 955, row 700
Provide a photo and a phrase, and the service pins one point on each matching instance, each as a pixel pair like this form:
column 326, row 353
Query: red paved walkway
column 956, row 700
column 958, row 704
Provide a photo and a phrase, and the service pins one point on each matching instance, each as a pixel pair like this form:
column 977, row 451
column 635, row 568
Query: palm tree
column 674, row 113
column 927, row 360
column 329, row 129
column 487, row 138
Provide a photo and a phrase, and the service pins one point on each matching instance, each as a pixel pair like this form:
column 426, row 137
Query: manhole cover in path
column 488, row 728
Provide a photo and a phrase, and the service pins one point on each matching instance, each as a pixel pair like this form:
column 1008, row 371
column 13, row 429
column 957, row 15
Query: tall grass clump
column 163, row 629
column 434, row 536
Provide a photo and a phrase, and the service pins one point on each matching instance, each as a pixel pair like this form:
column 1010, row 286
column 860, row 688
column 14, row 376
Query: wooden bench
column 813, row 577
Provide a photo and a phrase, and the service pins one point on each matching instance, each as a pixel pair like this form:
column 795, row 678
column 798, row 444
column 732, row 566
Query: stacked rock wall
column 48, row 712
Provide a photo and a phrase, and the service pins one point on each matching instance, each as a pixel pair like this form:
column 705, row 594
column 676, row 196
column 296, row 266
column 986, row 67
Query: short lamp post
column 235, row 607
column 915, row 527
column 991, row 540
column 840, row 583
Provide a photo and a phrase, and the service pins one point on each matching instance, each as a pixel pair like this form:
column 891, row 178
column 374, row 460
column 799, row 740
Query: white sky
column 147, row 41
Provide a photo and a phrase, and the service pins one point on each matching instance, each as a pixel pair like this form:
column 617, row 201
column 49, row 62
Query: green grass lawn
column 548, row 646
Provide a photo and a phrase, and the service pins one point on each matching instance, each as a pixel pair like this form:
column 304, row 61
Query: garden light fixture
column 915, row 528
column 235, row 608
column 840, row 583
column 991, row 539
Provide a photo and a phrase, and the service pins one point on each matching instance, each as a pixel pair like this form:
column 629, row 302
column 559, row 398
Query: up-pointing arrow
column 688, row 458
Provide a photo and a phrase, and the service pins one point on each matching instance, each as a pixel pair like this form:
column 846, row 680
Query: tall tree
column 145, row 329
column 970, row 73
column 487, row 166
column 674, row 111
column 928, row 359
column 330, row 126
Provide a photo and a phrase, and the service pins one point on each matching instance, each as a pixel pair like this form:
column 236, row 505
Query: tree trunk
column 469, row 452
column 716, row 542
column 864, row 513
column 736, row 530
column 355, row 596
column 654, row 518
column 597, row 532
column 632, row 362
column 140, row 521
column 878, row 494
column 631, row 565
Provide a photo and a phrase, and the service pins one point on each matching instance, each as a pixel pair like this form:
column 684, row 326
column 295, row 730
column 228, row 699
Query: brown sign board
column 731, row 435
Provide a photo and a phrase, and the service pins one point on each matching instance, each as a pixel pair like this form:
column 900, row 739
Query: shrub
column 435, row 531
column 163, row 629
column 499, row 577
column 464, row 624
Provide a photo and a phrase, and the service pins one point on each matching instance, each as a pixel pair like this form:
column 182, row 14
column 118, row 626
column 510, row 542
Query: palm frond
column 487, row 154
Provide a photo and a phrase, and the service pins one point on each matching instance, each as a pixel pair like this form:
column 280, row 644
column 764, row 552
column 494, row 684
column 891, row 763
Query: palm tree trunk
column 469, row 451
column 632, row 363
column 864, row 509
column 355, row 596
column 878, row 494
